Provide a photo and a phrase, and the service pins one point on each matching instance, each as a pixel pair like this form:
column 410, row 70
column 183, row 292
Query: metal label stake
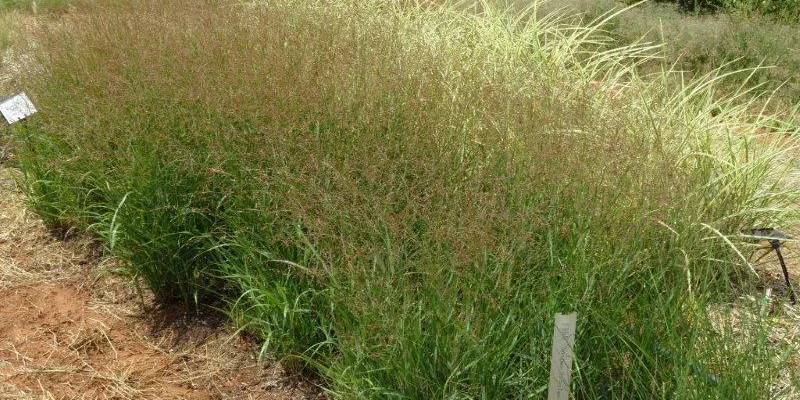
column 774, row 237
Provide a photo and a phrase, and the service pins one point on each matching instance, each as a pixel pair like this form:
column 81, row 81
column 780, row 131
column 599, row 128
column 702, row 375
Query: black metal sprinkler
column 775, row 236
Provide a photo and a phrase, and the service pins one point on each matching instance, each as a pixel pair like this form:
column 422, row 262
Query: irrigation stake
column 561, row 359
column 16, row 108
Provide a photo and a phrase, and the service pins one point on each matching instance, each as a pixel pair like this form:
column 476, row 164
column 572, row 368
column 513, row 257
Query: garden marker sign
column 561, row 359
column 16, row 108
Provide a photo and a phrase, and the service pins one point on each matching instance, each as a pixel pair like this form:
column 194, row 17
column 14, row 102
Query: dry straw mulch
column 71, row 329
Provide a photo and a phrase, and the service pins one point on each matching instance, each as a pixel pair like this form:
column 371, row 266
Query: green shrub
column 401, row 196
column 787, row 10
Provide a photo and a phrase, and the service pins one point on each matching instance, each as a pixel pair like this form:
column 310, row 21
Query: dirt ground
column 71, row 329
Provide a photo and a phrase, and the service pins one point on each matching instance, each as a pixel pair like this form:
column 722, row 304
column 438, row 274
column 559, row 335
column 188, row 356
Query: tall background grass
column 399, row 197
column 35, row 6
column 762, row 47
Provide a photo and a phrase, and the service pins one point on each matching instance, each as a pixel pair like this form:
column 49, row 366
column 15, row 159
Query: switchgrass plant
column 5, row 32
column 34, row 6
column 401, row 196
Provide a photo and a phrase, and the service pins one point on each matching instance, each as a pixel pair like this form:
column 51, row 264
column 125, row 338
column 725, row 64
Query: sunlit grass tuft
column 401, row 196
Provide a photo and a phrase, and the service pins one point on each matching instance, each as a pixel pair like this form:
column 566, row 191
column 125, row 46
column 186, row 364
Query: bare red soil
column 71, row 329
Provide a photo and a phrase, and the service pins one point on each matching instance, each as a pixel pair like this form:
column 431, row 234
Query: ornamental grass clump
column 400, row 196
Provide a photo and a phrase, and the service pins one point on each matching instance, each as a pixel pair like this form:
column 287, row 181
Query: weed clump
column 401, row 196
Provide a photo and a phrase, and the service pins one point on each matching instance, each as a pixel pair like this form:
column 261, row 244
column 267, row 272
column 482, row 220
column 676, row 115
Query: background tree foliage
column 788, row 10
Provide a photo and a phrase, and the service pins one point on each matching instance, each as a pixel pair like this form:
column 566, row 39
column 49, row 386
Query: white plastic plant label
column 17, row 108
